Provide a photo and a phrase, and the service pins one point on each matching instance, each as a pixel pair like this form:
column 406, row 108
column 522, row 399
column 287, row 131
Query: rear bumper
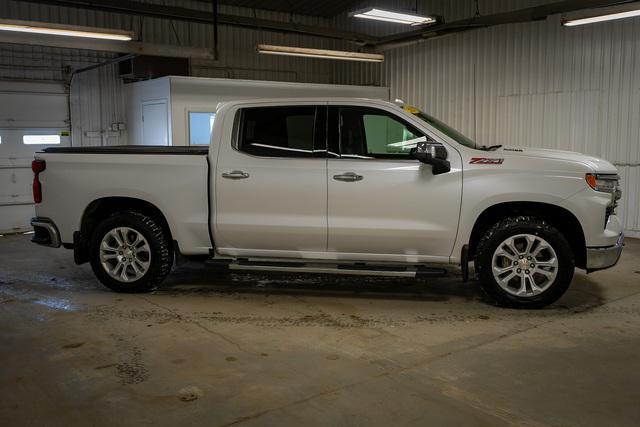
column 45, row 232
column 601, row 258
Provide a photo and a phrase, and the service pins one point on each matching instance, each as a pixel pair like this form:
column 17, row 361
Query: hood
column 594, row 163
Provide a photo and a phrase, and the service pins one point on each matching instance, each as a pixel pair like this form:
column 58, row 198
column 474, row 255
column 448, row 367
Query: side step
column 356, row 269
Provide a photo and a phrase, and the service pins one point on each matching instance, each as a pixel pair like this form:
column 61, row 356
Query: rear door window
column 282, row 131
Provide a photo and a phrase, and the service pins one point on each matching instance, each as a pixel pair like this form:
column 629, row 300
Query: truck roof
column 306, row 100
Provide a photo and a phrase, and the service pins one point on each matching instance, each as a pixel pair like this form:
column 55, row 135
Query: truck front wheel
column 524, row 262
column 129, row 252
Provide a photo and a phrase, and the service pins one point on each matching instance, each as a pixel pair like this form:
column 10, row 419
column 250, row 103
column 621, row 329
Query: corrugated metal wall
column 535, row 84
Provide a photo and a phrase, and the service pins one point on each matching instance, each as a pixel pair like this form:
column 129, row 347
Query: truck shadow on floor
column 193, row 279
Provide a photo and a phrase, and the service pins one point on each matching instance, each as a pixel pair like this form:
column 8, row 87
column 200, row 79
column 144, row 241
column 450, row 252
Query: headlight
column 606, row 183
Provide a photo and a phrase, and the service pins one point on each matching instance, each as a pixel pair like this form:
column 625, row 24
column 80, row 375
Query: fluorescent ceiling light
column 608, row 14
column 388, row 16
column 64, row 30
column 320, row 53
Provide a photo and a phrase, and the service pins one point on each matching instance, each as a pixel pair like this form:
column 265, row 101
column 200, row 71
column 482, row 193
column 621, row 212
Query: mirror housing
column 434, row 154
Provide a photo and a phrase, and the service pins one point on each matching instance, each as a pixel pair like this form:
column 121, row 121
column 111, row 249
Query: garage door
column 32, row 116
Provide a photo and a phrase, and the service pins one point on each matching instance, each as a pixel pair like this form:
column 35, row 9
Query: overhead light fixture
column 319, row 53
column 396, row 17
column 64, row 30
column 602, row 15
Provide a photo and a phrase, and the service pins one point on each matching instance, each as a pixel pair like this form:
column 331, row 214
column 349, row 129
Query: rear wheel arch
column 557, row 216
column 101, row 209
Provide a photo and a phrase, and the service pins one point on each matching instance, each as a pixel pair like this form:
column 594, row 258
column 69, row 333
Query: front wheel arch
column 559, row 217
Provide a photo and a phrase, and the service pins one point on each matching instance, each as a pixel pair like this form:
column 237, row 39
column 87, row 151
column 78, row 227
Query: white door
column 33, row 116
column 270, row 186
column 380, row 201
column 155, row 130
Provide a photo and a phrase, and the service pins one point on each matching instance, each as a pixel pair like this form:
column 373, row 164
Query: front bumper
column 601, row 258
column 45, row 232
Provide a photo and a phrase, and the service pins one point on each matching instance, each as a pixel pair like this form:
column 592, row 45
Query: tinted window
column 278, row 131
column 372, row 133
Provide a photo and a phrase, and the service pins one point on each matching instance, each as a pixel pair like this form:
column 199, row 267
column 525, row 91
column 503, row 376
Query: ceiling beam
column 205, row 17
column 126, row 47
column 529, row 14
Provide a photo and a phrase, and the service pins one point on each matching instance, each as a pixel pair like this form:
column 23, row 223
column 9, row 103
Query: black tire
column 513, row 226
column 161, row 256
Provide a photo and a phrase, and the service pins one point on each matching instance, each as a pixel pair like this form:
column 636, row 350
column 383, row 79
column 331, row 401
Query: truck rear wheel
column 524, row 262
column 129, row 252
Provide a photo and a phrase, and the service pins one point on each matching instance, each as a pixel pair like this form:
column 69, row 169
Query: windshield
column 442, row 127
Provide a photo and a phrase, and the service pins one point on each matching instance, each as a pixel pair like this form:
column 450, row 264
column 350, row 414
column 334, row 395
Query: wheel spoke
column 540, row 248
column 116, row 235
column 135, row 268
column 523, row 285
column 500, row 271
column 507, row 255
column 142, row 264
column 512, row 245
column 106, row 247
column 507, row 279
column 553, row 262
column 549, row 274
column 534, row 286
column 530, row 241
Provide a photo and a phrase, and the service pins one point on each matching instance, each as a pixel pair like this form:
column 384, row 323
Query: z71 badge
column 485, row 161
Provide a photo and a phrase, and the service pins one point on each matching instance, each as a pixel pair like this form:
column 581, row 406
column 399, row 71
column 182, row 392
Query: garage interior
column 248, row 348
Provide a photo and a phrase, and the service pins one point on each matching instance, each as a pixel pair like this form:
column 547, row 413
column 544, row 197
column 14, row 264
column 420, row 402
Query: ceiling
column 324, row 8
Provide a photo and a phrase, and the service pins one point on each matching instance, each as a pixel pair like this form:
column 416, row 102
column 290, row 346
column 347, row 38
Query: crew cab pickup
column 353, row 186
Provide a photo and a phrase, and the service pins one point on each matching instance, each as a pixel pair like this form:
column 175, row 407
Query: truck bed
column 172, row 179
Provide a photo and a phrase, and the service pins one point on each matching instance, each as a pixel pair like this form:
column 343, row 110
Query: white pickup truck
column 352, row 186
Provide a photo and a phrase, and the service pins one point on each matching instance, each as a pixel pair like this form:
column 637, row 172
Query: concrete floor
column 310, row 350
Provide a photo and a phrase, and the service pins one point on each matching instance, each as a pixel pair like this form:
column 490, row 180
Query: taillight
column 37, row 166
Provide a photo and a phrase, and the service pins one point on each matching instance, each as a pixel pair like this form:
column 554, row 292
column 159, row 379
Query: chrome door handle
column 348, row 177
column 235, row 175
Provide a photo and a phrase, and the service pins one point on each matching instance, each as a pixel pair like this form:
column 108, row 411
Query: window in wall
column 200, row 127
column 371, row 133
column 41, row 139
column 278, row 131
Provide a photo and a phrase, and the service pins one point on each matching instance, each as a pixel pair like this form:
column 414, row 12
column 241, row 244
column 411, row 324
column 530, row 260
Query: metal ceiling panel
column 324, row 8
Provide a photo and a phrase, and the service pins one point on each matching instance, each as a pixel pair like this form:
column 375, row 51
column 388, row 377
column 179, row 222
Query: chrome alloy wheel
column 524, row 265
column 125, row 254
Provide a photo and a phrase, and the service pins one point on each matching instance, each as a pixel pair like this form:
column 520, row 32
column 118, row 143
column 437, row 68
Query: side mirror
column 434, row 154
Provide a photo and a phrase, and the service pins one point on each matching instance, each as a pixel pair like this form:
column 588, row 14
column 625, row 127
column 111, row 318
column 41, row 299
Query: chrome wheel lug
column 526, row 271
column 518, row 271
column 533, row 265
